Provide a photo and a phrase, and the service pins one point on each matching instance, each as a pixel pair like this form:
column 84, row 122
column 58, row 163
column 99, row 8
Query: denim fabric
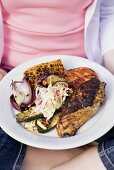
column 12, row 152
column 106, row 153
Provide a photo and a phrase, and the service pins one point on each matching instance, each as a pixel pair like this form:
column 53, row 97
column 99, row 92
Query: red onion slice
column 15, row 105
column 22, row 92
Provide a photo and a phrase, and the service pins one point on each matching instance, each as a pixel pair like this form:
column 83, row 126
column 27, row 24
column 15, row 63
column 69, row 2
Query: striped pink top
column 36, row 28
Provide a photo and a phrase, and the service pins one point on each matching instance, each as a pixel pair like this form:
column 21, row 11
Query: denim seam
column 108, row 150
column 111, row 149
column 14, row 166
column 106, row 155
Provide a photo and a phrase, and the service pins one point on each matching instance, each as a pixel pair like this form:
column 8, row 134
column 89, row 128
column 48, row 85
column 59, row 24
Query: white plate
column 93, row 129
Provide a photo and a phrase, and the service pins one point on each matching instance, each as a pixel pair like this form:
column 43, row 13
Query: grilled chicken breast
column 83, row 104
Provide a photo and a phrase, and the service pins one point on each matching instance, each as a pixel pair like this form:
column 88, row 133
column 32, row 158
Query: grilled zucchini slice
column 51, row 79
column 27, row 116
column 43, row 126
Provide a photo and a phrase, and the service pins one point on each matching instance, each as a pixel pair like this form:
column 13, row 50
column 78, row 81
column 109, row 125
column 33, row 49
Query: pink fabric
column 36, row 28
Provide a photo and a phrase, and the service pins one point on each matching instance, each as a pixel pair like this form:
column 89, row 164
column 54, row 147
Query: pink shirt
column 36, row 28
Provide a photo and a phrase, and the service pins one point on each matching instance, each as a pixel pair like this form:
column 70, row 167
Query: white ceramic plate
column 93, row 129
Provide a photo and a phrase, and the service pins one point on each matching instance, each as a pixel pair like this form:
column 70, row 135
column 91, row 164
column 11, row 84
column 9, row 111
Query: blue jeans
column 106, row 149
column 12, row 152
column 106, row 153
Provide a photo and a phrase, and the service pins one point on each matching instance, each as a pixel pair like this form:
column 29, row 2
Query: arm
column 109, row 60
column 107, row 33
column 1, row 35
column 2, row 72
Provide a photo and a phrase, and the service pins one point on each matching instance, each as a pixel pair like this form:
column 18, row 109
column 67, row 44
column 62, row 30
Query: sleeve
column 1, row 35
column 107, row 25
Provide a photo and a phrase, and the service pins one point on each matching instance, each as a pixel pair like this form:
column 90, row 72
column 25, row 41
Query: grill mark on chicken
column 82, row 96
column 79, row 75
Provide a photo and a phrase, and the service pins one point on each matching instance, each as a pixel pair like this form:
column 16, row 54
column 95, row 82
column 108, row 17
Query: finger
column 3, row 72
column 1, row 76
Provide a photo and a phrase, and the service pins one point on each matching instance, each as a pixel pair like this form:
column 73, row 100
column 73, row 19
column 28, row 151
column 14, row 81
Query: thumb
column 2, row 73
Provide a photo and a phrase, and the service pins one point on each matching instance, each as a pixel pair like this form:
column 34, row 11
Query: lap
column 12, row 153
column 46, row 159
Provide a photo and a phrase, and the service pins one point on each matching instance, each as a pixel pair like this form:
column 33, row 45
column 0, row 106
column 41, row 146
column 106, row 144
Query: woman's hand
column 109, row 61
column 2, row 73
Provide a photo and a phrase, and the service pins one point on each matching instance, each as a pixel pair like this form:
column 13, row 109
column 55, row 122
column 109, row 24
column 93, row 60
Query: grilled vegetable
column 34, row 73
column 40, row 125
column 60, row 83
column 50, row 79
column 43, row 126
column 54, row 120
column 22, row 92
column 30, row 126
column 21, row 108
column 27, row 116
